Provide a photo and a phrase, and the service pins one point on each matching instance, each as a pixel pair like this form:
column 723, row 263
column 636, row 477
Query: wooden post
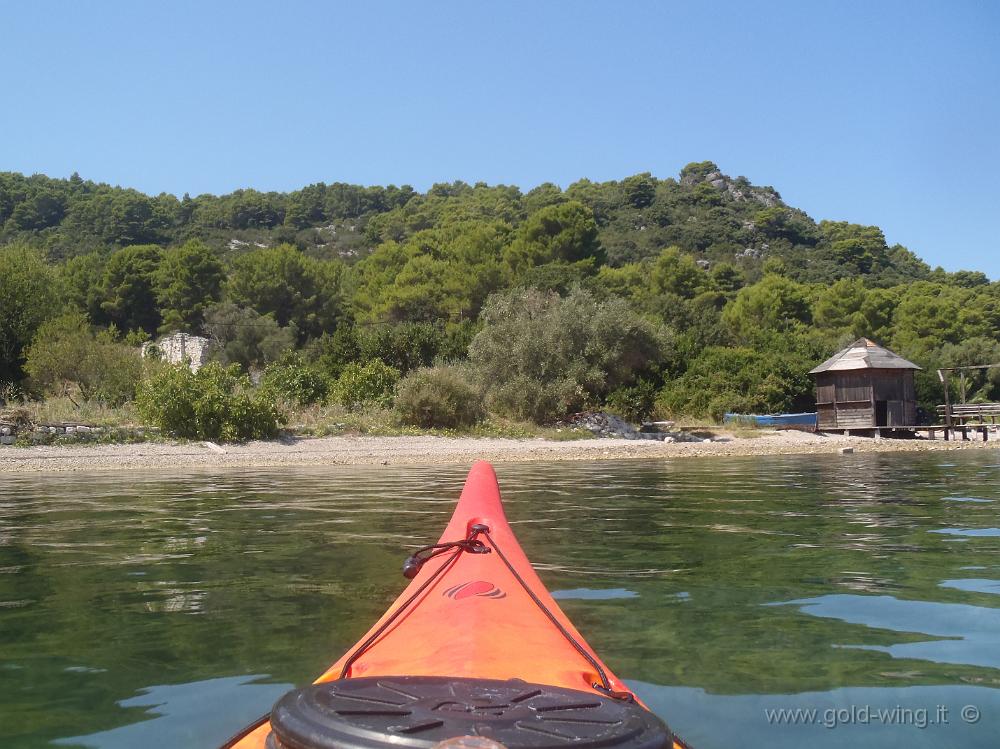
column 961, row 381
column 943, row 376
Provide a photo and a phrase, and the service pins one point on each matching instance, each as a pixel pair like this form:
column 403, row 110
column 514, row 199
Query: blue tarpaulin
column 772, row 420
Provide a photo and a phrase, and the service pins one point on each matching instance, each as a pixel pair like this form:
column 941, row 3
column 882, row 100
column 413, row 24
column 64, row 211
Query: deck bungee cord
column 605, row 685
column 411, row 567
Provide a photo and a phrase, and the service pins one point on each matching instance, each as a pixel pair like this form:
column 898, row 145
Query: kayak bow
column 474, row 646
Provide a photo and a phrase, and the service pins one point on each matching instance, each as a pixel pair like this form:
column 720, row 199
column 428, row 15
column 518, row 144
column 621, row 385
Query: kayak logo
column 479, row 588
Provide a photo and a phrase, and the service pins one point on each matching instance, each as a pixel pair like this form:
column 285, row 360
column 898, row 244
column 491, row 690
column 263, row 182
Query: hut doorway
column 881, row 413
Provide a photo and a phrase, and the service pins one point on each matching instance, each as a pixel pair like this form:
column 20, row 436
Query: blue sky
column 885, row 113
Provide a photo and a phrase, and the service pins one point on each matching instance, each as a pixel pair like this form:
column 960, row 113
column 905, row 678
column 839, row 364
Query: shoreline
column 409, row 450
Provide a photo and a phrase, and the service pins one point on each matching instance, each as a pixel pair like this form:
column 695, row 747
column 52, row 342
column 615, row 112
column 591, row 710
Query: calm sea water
column 169, row 609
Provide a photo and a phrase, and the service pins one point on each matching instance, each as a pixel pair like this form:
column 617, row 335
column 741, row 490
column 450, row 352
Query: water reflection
column 972, row 632
column 589, row 594
column 972, row 532
column 179, row 715
column 973, row 585
column 861, row 718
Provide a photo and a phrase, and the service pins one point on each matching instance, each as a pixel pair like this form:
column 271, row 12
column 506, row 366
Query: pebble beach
column 364, row 450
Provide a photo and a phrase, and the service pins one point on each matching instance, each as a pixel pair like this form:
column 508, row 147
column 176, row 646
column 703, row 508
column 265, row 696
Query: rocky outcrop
column 739, row 189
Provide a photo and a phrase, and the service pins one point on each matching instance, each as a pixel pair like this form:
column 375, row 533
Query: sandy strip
column 412, row 450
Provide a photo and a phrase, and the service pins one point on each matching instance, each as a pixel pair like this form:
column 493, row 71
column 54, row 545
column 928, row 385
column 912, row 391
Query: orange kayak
column 475, row 646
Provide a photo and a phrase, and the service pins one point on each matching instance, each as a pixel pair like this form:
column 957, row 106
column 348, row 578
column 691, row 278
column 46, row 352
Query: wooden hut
column 865, row 386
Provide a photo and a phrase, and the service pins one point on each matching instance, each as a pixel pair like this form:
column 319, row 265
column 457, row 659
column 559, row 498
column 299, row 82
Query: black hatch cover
column 417, row 712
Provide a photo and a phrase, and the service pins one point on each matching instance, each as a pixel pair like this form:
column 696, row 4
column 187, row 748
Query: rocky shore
column 428, row 449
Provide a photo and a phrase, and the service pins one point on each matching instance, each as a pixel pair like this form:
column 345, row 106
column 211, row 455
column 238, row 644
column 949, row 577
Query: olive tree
column 541, row 356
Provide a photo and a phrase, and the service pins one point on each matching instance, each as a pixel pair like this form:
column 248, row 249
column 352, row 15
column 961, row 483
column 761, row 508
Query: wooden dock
column 965, row 432
column 958, row 415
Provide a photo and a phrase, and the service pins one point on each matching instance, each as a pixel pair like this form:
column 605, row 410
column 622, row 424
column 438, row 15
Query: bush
column 543, row 356
column 215, row 402
column 439, row 397
column 371, row 383
column 332, row 352
column 403, row 346
column 116, row 369
column 634, row 403
column 457, row 337
column 10, row 392
column 524, row 397
column 66, row 354
column 770, row 380
column 292, row 380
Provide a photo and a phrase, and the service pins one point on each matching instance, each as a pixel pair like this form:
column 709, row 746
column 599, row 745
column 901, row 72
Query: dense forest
column 682, row 297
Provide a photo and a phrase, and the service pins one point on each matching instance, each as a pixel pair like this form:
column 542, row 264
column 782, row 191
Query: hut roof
column 864, row 353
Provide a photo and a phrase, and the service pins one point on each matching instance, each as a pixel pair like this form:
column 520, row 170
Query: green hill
column 743, row 292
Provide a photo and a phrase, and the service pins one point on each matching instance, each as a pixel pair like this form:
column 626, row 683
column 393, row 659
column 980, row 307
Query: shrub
column 457, row 337
column 292, row 380
column 542, row 356
column 332, row 352
column 371, row 383
column 741, row 379
column 634, row 403
column 10, row 392
column 215, row 402
column 439, row 397
column 116, row 370
column 403, row 346
column 66, row 354
column 524, row 397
